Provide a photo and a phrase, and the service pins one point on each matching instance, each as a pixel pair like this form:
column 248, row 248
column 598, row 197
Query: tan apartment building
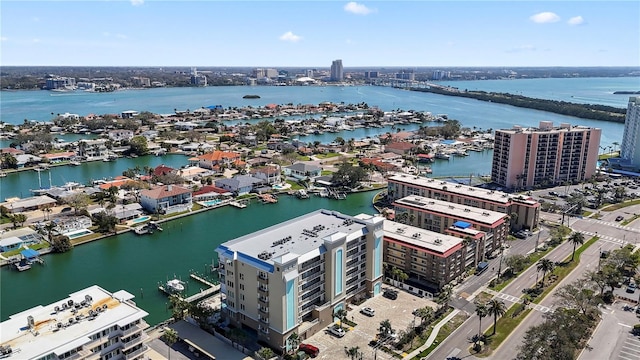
column 544, row 156
column 527, row 209
column 431, row 259
column 294, row 276
column 439, row 216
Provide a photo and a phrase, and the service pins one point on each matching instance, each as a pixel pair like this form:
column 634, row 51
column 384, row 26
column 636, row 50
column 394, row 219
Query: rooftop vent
column 264, row 255
column 438, row 241
column 467, row 210
column 485, row 213
column 416, row 235
column 30, row 322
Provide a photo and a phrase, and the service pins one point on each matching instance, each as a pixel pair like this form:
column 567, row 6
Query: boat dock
column 213, row 289
column 238, row 204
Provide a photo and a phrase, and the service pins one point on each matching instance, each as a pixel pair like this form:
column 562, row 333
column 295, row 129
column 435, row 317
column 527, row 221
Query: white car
column 368, row 311
column 337, row 331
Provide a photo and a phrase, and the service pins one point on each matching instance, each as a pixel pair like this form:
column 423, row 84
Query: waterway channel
column 138, row 263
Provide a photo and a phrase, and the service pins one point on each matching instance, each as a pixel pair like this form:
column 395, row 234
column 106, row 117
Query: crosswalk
column 612, row 224
column 607, row 238
column 514, row 299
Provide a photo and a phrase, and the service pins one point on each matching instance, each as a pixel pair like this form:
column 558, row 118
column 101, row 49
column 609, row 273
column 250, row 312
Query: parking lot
column 398, row 312
column 613, row 339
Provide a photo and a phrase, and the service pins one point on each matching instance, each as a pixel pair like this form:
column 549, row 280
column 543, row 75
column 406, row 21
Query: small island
column 251, row 97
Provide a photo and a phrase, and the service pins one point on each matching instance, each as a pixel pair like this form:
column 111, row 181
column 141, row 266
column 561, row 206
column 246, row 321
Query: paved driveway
column 612, row 338
column 399, row 313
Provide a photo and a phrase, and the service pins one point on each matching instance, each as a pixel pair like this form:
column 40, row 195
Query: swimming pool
column 211, row 202
column 140, row 219
column 78, row 233
column 280, row 187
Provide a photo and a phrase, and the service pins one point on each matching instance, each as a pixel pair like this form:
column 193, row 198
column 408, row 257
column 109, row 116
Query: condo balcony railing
column 134, row 354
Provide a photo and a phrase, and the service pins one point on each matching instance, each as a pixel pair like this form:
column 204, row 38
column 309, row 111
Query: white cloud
column 4, row 38
column 358, row 9
column 106, row 34
column 522, row 48
column 121, row 36
column 576, row 20
column 137, row 2
column 35, row 40
column 290, row 36
column 35, row 19
column 545, row 17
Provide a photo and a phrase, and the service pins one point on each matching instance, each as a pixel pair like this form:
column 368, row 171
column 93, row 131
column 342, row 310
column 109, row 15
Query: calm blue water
column 16, row 106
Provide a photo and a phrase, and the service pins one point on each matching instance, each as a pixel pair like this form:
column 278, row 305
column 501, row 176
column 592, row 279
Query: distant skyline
column 314, row 33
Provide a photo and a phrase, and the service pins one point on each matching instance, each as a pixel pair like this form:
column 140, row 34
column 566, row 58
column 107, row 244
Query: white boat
column 175, row 285
column 441, row 155
column 75, row 163
column 302, row 194
column 3, row 174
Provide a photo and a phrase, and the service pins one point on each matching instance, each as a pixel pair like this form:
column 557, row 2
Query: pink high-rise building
column 546, row 155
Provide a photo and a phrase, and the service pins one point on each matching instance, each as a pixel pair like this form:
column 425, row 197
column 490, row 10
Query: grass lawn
column 38, row 246
column 444, row 332
column 628, row 221
column 621, row 205
column 303, row 158
column 86, row 238
column 326, row 172
column 327, row 155
column 533, row 258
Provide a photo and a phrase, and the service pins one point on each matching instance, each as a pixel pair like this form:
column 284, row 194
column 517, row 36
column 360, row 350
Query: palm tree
column 293, row 341
column 444, row 296
column 496, row 308
column 385, row 328
column 545, row 265
column 577, row 239
column 170, row 336
column 340, row 314
column 353, row 352
column 482, row 311
column 615, row 145
column 424, row 314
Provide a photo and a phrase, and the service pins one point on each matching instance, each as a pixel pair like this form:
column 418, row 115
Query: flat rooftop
column 305, row 234
column 449, row 209
column 458, row 189
column 430, row 240
column 53, row 330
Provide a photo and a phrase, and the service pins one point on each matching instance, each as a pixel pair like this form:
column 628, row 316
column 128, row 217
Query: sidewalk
column 432, row 336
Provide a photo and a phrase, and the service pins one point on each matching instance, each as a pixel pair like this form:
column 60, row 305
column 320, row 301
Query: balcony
column 262, row 276
column 134, row 341
column 96, row 342
column 264, row 320
column 263, row 300
column 264, row 311
column 135, row 354
column 263, row 290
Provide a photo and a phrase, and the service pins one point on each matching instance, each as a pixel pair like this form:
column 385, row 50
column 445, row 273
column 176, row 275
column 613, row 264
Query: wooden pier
column 213, row 289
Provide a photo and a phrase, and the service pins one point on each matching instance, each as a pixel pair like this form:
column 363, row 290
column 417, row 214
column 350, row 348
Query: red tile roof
column 219, row 155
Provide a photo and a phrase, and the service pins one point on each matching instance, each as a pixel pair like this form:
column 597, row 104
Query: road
column 612, row 234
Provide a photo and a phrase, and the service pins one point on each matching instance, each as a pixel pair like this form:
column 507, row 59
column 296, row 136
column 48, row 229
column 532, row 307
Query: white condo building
column 630, row 147
column 294, row 276
column 337, row 71
column 90, row 324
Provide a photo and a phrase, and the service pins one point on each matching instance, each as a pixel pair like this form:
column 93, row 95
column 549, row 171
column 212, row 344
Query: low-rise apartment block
column 431, row 259
column 294, row 276
column 90, row 324
column 527, row 209
column 441, row 216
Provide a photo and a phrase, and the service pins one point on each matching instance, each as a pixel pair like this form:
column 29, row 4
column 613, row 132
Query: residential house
column 58, row 157
column 28, row 204
column 302, row 170
column 26, row 159
column 71, row 224
column 215, row 159
column 121, row 135
column 239, row 184
column 270, row 174
column 399, row 147
column 95, row 149
column 166, row 199
column 15, row 239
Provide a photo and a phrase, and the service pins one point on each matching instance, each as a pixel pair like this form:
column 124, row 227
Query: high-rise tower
column 337, row 72
column 630, row 148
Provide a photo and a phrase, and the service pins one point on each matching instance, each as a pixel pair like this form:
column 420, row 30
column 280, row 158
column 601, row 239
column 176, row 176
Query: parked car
column 390, row 294
column 66, row 209
column 368, row 311
column 520, row 234
column 619, row 218
column 309, row 349
column 337, row 331
column 631, row 288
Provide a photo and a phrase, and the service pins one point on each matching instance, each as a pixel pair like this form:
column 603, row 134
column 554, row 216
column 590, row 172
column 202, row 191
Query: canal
column 139, row 263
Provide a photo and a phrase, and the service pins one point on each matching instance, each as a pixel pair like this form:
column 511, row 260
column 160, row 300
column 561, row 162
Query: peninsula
column 584, row 111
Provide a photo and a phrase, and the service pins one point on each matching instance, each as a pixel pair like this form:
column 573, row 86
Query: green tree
column 576, row 238
column 138, row 145
column 18, row 219
column 341, row 314
column 348, row 176
column 106, row 223
column 516, row 262
column 496, row 308
column 482, row 311
column 293, row 341
column 385, row 328
column 425, row 314
column 170, row 337
column 61, row 243
column 545, row 265
column 265, row 353
column 78, row 201
column 353, row 352
column 444, row 296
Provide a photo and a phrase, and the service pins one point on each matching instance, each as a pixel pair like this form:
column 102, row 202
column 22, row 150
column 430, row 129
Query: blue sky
column 313, row 33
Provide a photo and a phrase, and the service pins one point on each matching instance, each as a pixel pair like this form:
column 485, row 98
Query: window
column 241, row 276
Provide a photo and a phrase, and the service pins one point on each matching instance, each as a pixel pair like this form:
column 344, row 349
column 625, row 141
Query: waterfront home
column 302, row 170
column 162, row 170
column 70, row 224
column 12, row 151
column 166, row 199
column 125, row 212
column 120, row 135
column 15, row 239
column 95, row 149
column 400, row 147
column 58, row 157
column 118, row 181
column 270, row 174
column 16, row 205
column 193, row 172
column 27, row 159
column 239, row 184
column 216, row 158
column 129, row 114
column 209, row 192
